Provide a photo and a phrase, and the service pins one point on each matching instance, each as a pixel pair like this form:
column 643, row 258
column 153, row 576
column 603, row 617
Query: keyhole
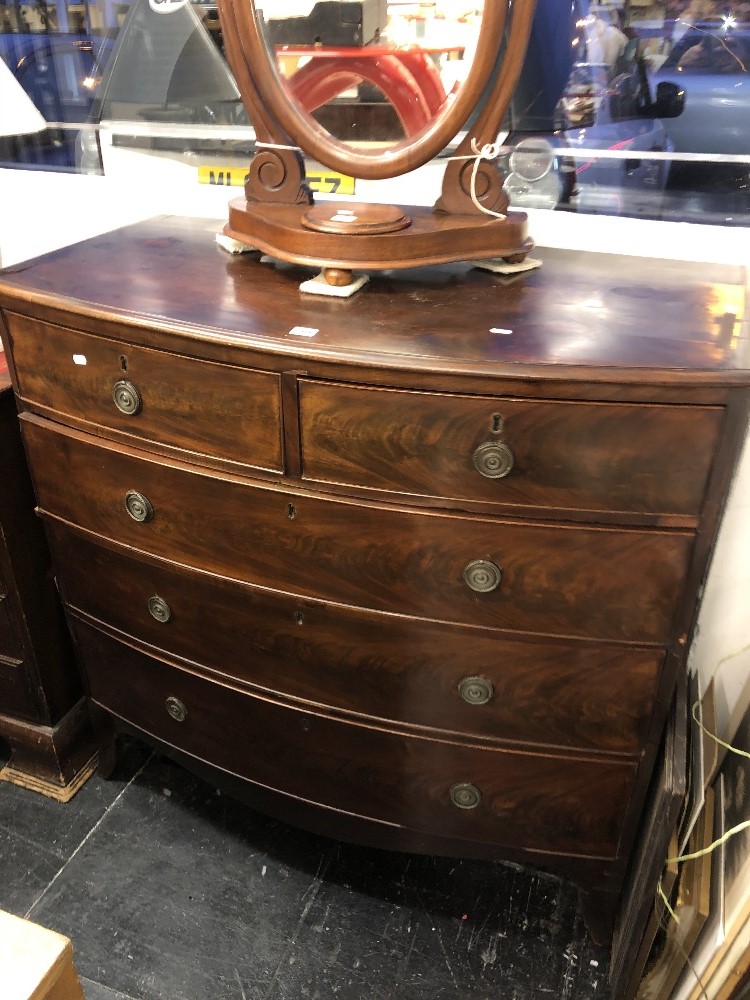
column 123, row 363
column 291, row 511
column 299, row 618
column 497, row 423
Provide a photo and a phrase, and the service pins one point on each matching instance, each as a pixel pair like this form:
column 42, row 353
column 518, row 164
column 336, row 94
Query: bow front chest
column 418, row 568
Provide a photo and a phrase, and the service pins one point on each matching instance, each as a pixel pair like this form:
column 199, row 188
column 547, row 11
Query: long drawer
column 387, row 667
column 546, row 454
column 540, row 802
column 527, row 577
column 199, row 406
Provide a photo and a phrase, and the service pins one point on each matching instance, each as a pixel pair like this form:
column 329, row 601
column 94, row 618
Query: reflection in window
column 597, row 123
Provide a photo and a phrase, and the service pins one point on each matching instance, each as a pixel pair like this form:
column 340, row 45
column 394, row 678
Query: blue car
column 584, row 89
column 711, row 60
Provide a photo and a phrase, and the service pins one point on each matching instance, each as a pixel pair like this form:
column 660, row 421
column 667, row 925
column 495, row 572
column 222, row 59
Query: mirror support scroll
column 470, row 220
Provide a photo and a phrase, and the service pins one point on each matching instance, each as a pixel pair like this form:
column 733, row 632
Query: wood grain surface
column 574, row 695
column 375, row 557
column 541, row 802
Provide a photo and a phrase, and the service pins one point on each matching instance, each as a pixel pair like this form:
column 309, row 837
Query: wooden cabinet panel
column 582, row 456
column 388, row 667
column 543, row 802
column 42, row 716
column 385, row 559
column 9, row 644
column 198, row 406
column 15, row 695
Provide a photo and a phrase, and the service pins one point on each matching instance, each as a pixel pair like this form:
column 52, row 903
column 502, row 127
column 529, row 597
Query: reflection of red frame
column 408, row 77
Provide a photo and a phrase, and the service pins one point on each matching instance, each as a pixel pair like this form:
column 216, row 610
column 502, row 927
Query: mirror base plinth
column 430, row 238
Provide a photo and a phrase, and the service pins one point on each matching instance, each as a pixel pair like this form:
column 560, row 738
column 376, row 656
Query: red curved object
column 427, row 75
column 318, row 88
column 333, row 74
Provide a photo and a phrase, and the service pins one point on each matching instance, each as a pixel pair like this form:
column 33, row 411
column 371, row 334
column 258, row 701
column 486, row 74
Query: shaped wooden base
column 429, row 237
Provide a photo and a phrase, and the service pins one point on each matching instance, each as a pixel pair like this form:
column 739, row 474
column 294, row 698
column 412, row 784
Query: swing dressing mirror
column 345, row 84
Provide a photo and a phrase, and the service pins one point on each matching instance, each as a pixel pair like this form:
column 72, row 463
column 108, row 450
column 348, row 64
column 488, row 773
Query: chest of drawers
column 417, row 569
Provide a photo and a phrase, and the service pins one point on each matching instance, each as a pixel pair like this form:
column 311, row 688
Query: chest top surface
column 580, row 316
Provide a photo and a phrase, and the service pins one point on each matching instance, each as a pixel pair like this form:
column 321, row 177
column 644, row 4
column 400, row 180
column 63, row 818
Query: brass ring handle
column 475, row 690
column 493, row 460
column 465, row 796
column 482, row 576
column 176, row 709
column 159, row 609
column 126, row 398
column 138, row 506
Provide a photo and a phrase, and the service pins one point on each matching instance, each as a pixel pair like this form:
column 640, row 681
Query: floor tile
column 38, row 835
column 393, row 926
column 182, row 893
column 95, row 991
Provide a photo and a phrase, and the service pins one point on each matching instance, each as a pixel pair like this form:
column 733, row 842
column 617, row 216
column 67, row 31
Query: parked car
column 709, row 180
column 584, row 90
column 711, row 60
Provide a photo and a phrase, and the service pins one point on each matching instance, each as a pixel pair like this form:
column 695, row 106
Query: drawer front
column 542, row 803
column 389, row 667
column 370, row 556
column 217, row 410
column 578, row 456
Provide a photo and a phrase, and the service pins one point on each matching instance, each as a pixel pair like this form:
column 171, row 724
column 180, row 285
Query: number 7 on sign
column 330, row 183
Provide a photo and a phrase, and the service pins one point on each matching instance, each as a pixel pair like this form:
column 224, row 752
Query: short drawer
column 199, row 406
column 531, row 577
column 387, row 667
column 515, row 452
column 532, row 800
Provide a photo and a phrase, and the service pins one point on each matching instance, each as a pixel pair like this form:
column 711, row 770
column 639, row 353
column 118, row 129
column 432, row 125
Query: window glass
column 637, row 108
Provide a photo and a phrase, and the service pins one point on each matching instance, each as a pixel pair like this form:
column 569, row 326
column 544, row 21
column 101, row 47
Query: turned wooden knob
column 337, row 276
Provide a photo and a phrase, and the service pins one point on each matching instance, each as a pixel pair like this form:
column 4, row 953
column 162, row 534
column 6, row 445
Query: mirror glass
column 371, row 72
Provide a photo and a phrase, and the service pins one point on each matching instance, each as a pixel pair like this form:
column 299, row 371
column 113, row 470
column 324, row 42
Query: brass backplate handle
column 127, row 398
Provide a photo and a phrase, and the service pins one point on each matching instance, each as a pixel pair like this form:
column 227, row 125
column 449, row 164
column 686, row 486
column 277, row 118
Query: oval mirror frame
column 380, row 163
column 470, row 221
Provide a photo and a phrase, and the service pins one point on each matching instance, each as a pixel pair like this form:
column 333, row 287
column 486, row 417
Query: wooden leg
column 599, row 910
column 107, row 760
column 106, row 737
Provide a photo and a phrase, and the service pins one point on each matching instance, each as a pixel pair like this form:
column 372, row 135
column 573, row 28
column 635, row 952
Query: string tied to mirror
column 488, row 151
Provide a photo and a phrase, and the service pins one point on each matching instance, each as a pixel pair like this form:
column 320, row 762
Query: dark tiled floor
column 172, row 891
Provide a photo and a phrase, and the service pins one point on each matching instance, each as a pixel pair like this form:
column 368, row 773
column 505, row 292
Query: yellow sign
column 323, row 181
column 329, row 182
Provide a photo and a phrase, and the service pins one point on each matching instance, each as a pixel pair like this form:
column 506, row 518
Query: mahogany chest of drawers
column 417, row 569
